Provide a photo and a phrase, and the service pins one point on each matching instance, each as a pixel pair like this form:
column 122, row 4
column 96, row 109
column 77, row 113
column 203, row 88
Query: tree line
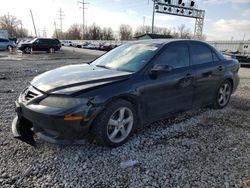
column 125, row 32
column 13, row 25
column 94, row 32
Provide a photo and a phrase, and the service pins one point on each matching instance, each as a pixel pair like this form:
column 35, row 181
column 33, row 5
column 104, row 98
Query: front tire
column 27, row 50
column 223, row 95
column 115, row 124
column 9, row 47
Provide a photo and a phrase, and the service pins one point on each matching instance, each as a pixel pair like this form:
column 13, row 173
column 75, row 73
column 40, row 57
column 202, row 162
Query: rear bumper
column 50, row 125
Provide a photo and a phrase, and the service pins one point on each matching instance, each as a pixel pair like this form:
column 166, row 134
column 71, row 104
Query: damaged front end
column 21, row 130
column 54, row 118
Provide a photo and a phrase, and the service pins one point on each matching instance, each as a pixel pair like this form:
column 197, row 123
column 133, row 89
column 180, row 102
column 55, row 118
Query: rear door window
column 201, row 54
column 175, row 55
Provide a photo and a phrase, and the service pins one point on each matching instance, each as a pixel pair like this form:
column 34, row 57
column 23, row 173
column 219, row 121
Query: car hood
column 25, row 43
column 73, row 78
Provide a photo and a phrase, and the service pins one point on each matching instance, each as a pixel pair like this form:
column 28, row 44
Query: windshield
column 128, row 57
column 31, row 40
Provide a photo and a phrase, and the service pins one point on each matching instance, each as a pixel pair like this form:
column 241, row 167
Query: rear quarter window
column 53, row 42
column 201, row 54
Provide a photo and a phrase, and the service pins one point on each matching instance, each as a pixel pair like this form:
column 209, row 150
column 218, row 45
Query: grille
column 30, row 93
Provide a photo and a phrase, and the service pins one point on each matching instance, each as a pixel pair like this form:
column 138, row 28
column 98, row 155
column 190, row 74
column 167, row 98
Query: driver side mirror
column 161, row 68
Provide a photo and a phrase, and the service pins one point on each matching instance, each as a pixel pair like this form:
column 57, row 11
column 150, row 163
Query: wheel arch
column 226, row 77
column 231, row 82
column 9, row 45
column 134, row 100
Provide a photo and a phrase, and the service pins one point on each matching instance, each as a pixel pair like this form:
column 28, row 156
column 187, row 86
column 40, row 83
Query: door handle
column 188, row 76
column 220, row 68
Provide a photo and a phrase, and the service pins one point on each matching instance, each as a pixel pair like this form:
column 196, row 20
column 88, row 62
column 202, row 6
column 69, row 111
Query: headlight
column 62, row 102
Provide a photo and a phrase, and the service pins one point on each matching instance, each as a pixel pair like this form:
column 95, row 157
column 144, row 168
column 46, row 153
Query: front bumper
column 49, row 124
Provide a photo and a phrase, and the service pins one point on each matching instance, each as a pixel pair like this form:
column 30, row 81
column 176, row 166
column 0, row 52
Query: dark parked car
column 126, row 88
column 107, row 47
column 40, row 44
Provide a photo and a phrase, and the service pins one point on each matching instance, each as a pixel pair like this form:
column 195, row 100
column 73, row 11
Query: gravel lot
column 199, row 148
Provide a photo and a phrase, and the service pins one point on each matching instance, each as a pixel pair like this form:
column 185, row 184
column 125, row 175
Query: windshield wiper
column 103, row 66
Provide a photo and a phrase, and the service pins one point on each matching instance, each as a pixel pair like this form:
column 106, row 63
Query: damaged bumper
column 22, row 133
column 49, row 124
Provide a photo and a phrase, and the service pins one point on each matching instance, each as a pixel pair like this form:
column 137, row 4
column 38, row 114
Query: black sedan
column 123, row 90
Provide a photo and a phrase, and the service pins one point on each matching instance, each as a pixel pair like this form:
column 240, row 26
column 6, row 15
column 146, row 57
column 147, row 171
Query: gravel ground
column 199, row 148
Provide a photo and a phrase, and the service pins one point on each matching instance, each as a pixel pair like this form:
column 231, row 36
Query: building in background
column 152, row 36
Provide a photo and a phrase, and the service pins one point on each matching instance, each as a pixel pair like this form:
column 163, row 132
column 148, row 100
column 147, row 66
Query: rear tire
column 223, row 95
column 115, row 124
column 51, row 50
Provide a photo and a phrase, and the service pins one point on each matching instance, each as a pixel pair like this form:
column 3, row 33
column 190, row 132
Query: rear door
column 169, row 92
column 45, row 44
column 40, row 45
column 208, row 73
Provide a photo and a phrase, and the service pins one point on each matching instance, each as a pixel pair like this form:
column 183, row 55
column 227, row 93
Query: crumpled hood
column 73, row 78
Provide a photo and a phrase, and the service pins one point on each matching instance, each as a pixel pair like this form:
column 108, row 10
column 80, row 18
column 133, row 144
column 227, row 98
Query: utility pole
column 33, row 22
column 83, row 3
column 153, row 18
column 143, row 24
column 56, row 30
column 244, row 36
column 61, row 15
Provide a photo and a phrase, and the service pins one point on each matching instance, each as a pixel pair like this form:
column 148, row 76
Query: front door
column 169, row 92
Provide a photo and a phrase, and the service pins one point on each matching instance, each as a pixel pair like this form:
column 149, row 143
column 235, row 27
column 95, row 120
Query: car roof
column 47, row 38
column 163, row 41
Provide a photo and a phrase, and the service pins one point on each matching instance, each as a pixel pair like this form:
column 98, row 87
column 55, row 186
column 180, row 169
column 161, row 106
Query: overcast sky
column 225, row 19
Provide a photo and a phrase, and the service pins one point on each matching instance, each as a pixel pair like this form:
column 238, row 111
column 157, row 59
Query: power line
column 83, row 3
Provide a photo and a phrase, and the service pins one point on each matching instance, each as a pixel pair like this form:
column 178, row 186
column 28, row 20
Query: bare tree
column 21, row 32
column 107, row 34
column 125, row 32
column 162, row 31
column 74, row 32
column 13, row 26
column 142, row 30
column 184, row 33
column 94, row 32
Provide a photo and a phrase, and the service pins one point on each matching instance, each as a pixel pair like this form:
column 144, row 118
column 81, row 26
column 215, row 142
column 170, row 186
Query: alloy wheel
column 224, row 94
column 120, row 125
column 27, row 50
column 52, row 50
